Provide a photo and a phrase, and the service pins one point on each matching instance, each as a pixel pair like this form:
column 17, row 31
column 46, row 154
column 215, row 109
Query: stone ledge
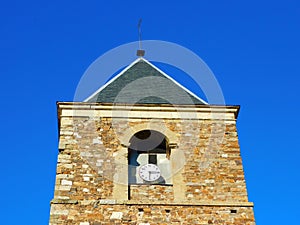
column 130, row 202
column 71, row 109
column 64, row 201
column 229, row 204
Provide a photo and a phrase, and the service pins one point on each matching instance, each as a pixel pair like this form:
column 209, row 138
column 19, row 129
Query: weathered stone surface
column 157, row 214
column 207, row 172
column 116, row 216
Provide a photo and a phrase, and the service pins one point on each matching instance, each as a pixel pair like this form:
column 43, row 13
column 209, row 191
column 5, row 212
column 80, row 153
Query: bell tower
column 145, row 150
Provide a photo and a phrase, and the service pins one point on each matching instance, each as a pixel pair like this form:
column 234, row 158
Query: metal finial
column 140, row 52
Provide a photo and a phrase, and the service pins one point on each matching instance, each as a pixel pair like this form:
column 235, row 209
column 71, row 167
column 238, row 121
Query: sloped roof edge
column 112, row 80
column 178, row 84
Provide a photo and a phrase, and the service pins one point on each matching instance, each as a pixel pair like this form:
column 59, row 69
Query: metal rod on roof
column 140, row 33
column 140, row 51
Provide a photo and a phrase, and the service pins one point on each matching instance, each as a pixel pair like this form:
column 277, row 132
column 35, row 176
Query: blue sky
column 251, row 46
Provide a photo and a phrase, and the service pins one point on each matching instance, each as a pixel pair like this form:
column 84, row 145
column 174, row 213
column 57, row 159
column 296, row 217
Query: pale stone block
column 97, row 141
column 64, row 160
column 59, row 212
column 64, row 188
column 66, row 182
column 69, row 166
column 190, row 196
column 84, row 223
column 86, row 154
column 86, row 202
column 209, row 181
column 116, row 216
column 61, row 144
column 64, row 156
column 85, row 190
column 61, row 176
column 87, row 175
column 85, row 166
column 63, row 197
column 77, row 135
column 107, row 201
column 86, row 178
column 66, row 121
column 66, row 133
column 140, row 215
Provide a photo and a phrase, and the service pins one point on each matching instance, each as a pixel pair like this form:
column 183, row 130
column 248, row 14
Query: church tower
column 145, row 150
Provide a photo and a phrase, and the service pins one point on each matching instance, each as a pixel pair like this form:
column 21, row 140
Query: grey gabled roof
column 143, row 83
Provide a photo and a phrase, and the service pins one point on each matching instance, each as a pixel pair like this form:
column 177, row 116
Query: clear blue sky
column 253, row 48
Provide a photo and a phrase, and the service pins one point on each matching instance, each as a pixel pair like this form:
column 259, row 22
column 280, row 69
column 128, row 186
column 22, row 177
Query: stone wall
column 95, row 213
column 156, row 193
column 207, row 173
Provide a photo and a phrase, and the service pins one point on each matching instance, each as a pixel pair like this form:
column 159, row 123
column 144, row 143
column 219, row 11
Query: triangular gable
column 144, row 83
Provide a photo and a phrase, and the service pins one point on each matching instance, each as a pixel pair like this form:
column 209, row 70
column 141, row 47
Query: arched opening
column 149, row 158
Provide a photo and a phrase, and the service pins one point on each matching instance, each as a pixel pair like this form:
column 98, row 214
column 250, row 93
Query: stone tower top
column 161, row 155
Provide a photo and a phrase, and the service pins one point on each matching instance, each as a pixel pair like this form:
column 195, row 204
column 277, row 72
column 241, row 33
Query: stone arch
column 129, row 133
column 148, row 147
